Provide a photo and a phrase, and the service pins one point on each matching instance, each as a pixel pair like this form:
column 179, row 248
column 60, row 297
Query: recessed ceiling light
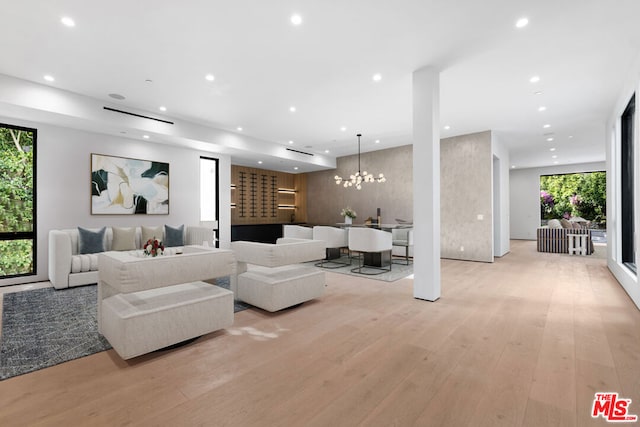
column 513, row 166
column 49, row 78
column 554, row 156
column 542, row 108
column 116, row 96
column 377, row 141
column 556, row 162
column 296, row 19
column 570, row 136
column 296, row 168
column 552, row 149
column 343, row 128
column 326, row 151
column 534, row 79
column 377, row 77
column 447, row 127
column 292, row 109
column 162, row 108
column 546, row 126
column 145, row 136
column 522, row 22
column 550, row 139
column 67, row 21
column 210, row 77
column 290, row 142
column 239, row 128
column 538, row 92
column 259, row 162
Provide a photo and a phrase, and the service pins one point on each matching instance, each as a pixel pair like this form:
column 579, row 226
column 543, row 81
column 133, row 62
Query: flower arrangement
column 547, row 203
column 348, row 212
column 153, row 248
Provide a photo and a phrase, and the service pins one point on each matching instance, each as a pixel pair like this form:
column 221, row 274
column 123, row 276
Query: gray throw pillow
column 91, row 242
column 173, row 236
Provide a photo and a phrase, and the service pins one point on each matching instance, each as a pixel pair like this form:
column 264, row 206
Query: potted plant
column 348, row 214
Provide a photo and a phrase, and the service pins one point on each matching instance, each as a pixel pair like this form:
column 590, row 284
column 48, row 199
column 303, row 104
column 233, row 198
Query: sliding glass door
column 17, row 201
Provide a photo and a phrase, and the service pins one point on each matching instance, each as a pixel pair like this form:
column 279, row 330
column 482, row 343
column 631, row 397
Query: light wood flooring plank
column 524, row 341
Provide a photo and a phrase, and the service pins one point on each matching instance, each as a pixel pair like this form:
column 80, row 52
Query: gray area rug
column 398, row 271
column 45, row 327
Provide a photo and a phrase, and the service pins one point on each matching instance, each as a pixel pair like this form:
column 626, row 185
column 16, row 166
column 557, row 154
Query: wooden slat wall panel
column 255, row 197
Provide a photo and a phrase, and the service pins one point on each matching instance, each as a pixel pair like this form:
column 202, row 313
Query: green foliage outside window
column 15, row 257
column 16, row 199
column 571, row 195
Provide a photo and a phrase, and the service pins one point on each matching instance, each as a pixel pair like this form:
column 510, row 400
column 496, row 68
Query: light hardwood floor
column 525, row 341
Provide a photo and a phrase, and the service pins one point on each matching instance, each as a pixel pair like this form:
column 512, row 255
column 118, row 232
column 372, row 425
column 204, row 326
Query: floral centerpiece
column 348, row 214
column 153, row 248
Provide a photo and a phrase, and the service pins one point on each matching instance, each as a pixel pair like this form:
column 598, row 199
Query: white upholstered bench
column 274, row 280
column 145, row 304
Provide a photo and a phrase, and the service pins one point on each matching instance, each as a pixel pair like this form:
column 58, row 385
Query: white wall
column 501, row 220
column 525, row 195
column 628, row 280
column 64, row 190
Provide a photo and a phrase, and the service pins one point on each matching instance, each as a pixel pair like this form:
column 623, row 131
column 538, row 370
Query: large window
column 17, row 201
column 575, row 196
column 209, row 200
column 627, row 186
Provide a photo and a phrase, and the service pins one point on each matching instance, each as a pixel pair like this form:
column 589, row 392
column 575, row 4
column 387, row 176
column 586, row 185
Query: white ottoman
column 140, row 322
column 273, row 289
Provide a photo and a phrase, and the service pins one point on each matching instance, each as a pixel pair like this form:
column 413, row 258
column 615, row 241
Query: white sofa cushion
column 127, row 273
column 140, row 322
column 84, row 262
column 269, row 255
column 273, row 289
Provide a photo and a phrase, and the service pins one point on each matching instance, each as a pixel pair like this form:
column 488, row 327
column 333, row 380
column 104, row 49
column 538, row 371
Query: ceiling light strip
column 137, row 115
column 301, row 152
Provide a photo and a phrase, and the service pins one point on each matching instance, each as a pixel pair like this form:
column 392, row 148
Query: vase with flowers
column 348, row 214
column 153, row 248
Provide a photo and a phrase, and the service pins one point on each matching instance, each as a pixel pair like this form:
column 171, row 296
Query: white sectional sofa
column 68, row 268
column 145, row 303
column 270, row 276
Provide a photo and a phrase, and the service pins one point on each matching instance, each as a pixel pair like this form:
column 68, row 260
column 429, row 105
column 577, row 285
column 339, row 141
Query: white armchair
column 367, row 241
column 334, row 239
column 297, row 232
column 403, row 237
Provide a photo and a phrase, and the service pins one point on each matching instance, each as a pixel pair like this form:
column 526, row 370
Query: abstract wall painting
column 121, row 185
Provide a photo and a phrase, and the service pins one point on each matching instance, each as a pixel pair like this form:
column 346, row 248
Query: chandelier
column 359, row 177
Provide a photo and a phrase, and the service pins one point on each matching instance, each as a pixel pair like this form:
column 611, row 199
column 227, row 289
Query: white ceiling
column 581, row 49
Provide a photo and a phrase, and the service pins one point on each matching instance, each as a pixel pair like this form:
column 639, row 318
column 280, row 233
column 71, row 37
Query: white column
column 426, row 183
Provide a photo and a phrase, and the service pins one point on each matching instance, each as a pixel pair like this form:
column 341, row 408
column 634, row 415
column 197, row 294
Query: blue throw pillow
column 91, row 242
column 173, row 236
